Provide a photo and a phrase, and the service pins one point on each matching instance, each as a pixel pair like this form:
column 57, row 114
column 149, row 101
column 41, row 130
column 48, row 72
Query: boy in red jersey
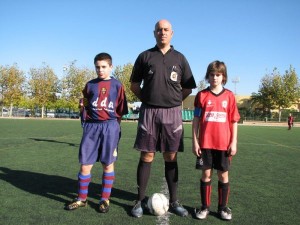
column 290, row 121
column 215, row 137
column 104, row 105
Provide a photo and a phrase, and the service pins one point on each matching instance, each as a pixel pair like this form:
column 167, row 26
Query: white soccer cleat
column 202, row 213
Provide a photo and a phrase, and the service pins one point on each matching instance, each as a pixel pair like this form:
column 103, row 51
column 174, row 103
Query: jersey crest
column 103, row 90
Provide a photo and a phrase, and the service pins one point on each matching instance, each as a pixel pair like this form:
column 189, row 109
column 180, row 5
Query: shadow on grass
column 54, row 141
column 57, row 187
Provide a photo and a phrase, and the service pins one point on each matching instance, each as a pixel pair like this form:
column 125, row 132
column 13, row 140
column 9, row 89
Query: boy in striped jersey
column 105, row 104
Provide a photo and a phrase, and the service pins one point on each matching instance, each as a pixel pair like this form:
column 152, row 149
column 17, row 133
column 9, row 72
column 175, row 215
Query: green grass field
column 39, row 166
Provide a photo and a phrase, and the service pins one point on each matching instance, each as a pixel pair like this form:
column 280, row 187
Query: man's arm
column 136, row 89
column 185, row 93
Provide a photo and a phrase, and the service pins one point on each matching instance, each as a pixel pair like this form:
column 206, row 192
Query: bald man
column 167, row 80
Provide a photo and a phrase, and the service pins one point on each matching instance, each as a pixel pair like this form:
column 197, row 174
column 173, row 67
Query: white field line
column 267, row 143
column 271, row 144
column 164, row 219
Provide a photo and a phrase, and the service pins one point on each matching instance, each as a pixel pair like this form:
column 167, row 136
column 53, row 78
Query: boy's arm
column 119, row 120
column 233, row 145
column 195, row 135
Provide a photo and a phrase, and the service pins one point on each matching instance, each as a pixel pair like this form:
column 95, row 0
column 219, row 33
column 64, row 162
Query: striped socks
column 107, row 183
column 223, row 193
column 83, row 186
column 205, row 192
column 84, row 181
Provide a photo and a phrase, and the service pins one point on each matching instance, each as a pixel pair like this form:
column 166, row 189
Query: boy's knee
column 223, row 176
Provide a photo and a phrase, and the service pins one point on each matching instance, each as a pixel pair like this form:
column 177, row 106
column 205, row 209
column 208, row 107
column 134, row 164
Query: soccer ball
column 158, row 204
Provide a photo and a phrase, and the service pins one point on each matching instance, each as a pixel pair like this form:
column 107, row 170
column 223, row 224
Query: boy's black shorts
column 213, row 159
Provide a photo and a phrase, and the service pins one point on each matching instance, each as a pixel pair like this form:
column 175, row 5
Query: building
column 242, row 102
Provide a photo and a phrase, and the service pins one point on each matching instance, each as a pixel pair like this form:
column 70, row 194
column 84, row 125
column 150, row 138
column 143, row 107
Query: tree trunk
column 43, row 111
column 279, row 115
column 10, row 109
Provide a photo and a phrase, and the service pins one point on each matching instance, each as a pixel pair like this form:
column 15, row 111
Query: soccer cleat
column 202, row 213
column 76, row 204
column 177, row 208
column 104, row 206
column 225, row 213
column 138, row 208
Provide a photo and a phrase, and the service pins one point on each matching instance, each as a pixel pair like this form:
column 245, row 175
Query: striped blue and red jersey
column 106, row 100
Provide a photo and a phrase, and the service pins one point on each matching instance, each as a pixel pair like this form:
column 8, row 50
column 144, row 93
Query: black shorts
column 159, row 129
column 215, row 159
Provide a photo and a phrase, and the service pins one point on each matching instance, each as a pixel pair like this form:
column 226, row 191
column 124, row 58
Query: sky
column 252, row 37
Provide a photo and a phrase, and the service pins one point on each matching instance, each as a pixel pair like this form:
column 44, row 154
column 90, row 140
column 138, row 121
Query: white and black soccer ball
column 158, row 204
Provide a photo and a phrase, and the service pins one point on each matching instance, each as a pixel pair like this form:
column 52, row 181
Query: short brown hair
column 217, row 67
column 103, row 56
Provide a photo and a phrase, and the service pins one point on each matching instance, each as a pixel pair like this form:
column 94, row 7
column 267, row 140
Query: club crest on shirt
column 224, row 104
column 103, row 90
column 115, row 153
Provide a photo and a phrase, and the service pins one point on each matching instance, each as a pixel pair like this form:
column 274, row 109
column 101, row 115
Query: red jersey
column 290, row 119
column 217, row 113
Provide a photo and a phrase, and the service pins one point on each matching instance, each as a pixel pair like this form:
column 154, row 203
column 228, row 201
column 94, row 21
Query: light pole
column 235, row 81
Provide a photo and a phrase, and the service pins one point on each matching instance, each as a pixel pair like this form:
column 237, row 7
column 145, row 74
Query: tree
column 43, row 85
column 123, row 75
column 285, row 89
column 27, row 103
column 263, row 99
column 72, row 85
column 291, row 79
column 278, row 91
column 12, row 81
column 202, row 85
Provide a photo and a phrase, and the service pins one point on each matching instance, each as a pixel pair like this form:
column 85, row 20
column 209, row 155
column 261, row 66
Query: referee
column 161, row 79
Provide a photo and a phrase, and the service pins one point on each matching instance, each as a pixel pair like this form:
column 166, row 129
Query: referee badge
column 174, row 76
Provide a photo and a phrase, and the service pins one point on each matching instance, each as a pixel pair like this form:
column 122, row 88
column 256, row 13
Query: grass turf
column 38, row 169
